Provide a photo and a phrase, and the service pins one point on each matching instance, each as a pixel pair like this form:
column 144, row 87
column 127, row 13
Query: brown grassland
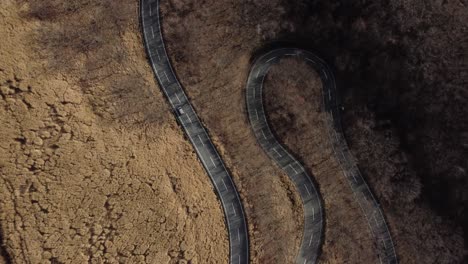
column 94, row 168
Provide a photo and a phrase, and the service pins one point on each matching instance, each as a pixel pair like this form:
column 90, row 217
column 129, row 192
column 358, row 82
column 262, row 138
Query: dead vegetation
column 293, row 101
column 403, row 86
column 90, row 41
column 93, row 167
column 72, row 89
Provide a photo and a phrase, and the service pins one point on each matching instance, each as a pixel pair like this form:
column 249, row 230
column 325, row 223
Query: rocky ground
column 94, row 168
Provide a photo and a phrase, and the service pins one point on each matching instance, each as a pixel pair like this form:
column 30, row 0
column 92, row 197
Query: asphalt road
column 224, row 186
column 313, row 225
column 195, row 131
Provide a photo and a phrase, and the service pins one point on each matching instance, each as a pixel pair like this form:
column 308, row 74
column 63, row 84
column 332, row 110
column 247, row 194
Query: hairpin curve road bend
column 313, row 222
column 225, row 188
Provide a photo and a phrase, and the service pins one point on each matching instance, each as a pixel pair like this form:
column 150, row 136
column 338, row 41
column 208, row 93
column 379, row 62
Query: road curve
column 195, row 131
column 313, row 222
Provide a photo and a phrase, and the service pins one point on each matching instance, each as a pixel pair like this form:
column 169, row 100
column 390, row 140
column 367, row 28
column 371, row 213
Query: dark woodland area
column 403, row 67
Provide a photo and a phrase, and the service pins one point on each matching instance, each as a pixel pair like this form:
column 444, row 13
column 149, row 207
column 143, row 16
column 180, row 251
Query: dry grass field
column 94, row 168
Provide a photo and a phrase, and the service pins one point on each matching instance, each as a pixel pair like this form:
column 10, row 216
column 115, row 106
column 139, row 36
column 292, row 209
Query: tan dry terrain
column 388, row 54
column 93, row 167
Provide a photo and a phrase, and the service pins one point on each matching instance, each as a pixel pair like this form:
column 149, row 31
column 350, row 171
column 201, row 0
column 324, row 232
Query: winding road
column 219, row 175
column 311, row 240
column 196, row 132
column 311, row 200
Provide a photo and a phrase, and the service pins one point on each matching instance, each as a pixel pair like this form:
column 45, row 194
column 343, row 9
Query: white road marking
column 258, row 72
column 201, row 141
column 277, row 153
column 313, row 213
column 329, row 94
column 326, row 77
column 354, row 177
column 305, row 261
column 291, row 166
column 178, row 98
column 313, row 62
column 212, row 161
column 300, row 166
column 368, row 223
column 151, row 10
column 238, row 235
column 188, row 117
column 167, row 78
column 311, row 238
column 376, row 222
column 224, row 184
column 152, row 31
column 271, row 59
column 263, row 133
column 307, row 189
column 256, row 113
column 157, row 53
column 264, row 117
column 233, row 209
column 344, row 157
